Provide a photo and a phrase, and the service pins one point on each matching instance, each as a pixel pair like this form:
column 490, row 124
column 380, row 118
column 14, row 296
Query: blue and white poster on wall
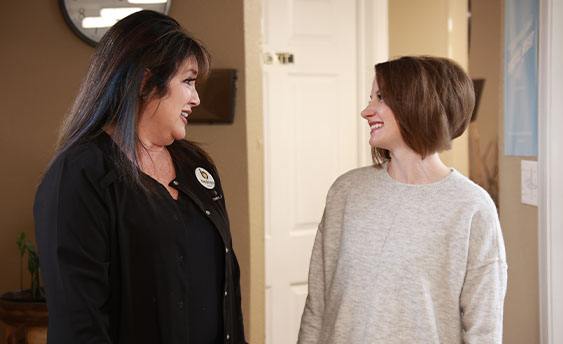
column 521, row 77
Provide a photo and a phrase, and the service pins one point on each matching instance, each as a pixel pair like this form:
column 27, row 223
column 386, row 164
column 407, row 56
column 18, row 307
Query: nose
column 194, row 100
column 367, row 112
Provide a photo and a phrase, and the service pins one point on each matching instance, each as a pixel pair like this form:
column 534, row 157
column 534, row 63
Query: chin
column 378, row 145
column 179, row 135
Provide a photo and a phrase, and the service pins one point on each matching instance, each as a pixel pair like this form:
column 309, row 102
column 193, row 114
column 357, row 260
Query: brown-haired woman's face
column 384, row 130
column 164, row 120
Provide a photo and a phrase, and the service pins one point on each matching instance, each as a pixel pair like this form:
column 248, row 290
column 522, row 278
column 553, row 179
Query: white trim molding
column 551, row 171
column 373, row 47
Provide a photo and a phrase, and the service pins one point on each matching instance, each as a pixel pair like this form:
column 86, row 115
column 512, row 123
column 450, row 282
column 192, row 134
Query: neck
column 406, row 166
column 145, row 144
column 150, row 147
column 154, row 159
column 148, row 138
column 145, row 147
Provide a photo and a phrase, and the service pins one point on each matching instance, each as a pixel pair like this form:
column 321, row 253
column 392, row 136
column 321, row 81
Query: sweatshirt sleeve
column 312, row 318
column 484, row 288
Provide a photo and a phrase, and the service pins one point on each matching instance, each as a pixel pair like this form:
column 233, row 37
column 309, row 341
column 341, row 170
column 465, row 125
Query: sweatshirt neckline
column 389, row 180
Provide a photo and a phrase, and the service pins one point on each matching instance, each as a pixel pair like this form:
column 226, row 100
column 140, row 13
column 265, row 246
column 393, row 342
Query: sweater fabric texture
column 406, row 263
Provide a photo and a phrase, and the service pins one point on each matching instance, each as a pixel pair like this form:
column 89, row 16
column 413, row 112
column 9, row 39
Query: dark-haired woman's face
column 164, row 120
column 384, row 130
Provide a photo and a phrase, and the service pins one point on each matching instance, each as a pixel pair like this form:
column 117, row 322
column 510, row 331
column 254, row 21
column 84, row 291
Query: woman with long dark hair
column 131, row 221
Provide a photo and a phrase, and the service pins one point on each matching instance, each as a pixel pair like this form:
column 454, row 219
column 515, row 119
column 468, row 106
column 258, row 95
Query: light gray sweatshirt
column 403, row 263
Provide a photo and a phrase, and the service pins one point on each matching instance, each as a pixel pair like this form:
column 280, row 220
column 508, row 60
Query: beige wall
column 485, row 62
column 519, row 222
column 439, row 28
column 418, row 27
column 42, row 65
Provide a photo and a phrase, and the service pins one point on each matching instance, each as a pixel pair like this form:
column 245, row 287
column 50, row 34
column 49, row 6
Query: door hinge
column 278, row 58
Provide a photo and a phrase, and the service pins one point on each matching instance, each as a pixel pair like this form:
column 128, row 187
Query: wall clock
column 90, row 19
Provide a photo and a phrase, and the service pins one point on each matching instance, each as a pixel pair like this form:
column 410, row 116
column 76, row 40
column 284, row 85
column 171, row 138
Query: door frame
column 550, row 165
column 373, row 47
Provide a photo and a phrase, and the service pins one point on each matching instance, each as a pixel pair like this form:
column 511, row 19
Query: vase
column 24, row 322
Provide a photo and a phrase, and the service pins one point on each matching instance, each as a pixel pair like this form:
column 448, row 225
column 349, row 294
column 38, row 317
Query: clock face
column 90, row 19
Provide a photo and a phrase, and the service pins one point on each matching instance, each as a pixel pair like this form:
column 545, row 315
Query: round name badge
column 204, row 178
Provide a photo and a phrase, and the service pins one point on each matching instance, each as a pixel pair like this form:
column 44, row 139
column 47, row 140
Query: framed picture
column 521, row 77
column 478, row 85
column 217, row 95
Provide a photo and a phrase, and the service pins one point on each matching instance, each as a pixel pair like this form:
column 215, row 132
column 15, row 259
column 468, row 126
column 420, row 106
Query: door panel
column 310, row 118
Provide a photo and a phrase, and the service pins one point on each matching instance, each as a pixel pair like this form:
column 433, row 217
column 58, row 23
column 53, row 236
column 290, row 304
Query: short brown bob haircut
column 432, row 99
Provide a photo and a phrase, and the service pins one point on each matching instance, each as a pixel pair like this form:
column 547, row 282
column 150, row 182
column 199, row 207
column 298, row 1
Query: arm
column 484, row 288
column 73, row 236
column 312, row 318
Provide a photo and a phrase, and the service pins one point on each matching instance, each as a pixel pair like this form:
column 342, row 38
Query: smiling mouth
column 375, row 125
column 184, row 114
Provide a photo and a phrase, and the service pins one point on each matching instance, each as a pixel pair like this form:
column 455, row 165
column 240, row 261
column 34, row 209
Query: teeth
column 376, row 126
column 185, row 114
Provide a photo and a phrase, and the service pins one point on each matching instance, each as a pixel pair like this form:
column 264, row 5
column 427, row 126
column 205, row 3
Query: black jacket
column 111, row 254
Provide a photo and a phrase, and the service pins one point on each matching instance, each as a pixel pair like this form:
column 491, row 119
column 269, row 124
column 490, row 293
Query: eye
column 190, row 81
column 379, row 97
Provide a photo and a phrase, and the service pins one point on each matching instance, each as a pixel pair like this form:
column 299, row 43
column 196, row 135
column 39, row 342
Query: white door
column 311, row 136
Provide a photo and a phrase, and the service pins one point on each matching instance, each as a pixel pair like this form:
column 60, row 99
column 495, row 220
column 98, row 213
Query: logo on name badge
column 204, row 178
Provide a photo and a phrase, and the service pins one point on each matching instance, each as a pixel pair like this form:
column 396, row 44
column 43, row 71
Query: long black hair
column 113, row 90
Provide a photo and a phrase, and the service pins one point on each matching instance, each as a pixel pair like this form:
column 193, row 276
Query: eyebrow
column 188, row 69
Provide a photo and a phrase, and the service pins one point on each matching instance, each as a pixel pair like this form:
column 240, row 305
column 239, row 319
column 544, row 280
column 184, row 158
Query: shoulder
column 86, row 155
column 84, row 162
column 356, row 179
column 191, row 153
column 473, row 195
column 485, row 230
column 190, row 158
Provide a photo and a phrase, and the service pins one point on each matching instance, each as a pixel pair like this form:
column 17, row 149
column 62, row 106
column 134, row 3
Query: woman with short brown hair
column 410, row 251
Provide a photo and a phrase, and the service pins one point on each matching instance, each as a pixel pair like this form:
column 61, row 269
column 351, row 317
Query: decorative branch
column 26, row 246
column 21, row 248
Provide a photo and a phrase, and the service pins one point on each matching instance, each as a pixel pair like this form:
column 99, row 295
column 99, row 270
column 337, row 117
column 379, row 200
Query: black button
column 181, row 304
column 180, row 259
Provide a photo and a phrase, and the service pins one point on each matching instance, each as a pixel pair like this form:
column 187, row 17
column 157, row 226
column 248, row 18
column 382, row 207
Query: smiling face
column 384, row 130
column 163, row 120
